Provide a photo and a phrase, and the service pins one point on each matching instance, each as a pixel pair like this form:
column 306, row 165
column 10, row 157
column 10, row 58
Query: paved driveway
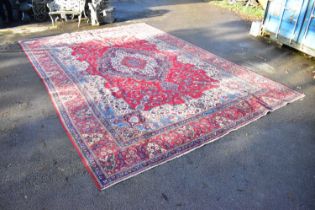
column 269, row 164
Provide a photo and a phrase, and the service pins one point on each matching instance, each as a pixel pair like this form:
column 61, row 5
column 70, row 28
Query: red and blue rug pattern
column 133, row 97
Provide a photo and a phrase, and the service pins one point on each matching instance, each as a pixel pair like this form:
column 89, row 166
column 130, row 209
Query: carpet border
column 206, row 143
column 73, row 142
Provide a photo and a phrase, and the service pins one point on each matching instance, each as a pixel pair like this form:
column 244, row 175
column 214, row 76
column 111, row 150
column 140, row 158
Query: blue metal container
column 291, row 22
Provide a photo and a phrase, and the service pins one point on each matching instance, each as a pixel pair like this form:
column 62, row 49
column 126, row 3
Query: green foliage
column 248, row 13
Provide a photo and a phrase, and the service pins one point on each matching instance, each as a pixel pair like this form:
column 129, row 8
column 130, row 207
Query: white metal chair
column 63, row 8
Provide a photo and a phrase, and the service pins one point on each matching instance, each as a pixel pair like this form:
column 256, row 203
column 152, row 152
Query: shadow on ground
column 267, row 164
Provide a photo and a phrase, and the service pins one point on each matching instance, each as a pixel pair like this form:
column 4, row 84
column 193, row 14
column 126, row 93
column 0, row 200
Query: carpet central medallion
column 142, row 65
column 133, row 97
column 145, row 77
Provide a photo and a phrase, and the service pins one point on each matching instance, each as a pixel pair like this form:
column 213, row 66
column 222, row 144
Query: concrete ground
column 269, row 164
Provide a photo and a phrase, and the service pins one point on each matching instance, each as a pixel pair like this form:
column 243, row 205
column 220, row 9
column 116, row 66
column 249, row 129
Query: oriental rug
column 133, row 97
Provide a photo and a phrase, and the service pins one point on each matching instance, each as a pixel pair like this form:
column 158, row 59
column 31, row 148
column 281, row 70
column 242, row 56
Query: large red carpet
column 133, row 97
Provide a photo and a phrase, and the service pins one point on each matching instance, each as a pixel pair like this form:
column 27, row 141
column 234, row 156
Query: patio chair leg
column 79, row 20
column 52, row 20
column 64, row 16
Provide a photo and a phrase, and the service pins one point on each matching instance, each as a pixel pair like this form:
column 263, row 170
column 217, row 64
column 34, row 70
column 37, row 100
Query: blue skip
column 291, row 22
